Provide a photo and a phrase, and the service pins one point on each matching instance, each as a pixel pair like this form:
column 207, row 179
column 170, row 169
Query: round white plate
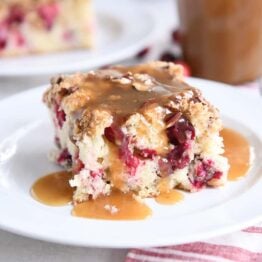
column 122, row 30
column 26, row 137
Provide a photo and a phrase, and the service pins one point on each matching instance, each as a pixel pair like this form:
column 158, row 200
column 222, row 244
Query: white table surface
column 18, row 248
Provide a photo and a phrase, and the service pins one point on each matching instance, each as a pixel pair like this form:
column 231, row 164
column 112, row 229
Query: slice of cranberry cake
column 39, row 26
column 139, row 129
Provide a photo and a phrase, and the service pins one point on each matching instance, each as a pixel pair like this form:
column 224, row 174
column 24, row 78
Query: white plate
column 121, row 34
column 26, row 136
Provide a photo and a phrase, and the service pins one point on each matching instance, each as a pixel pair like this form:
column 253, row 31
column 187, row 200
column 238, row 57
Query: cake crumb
column 111, row 209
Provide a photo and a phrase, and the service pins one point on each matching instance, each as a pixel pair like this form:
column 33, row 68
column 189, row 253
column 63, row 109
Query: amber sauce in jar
column 222, row 39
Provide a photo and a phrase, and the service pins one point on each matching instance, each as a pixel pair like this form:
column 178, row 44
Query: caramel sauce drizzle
column 53, row 189
column 116, row 206
column 237, row 151
column 121, row 92
column 170, row 197
column 116, row 167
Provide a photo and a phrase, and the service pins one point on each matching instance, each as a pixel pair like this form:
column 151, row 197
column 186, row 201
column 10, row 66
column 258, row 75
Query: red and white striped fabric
column 242, row 246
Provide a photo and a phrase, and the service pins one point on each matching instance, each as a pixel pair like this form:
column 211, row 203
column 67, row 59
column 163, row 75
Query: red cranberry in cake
column 114, row 134
column 178, row 157
column 16, row 15
column 60, row 115
column 204, row 170
column 131, row 127
column 181, row 131
column 3, row 41
column 127, row 156
column 64, row 158
column 78, row 166
column 48, row 13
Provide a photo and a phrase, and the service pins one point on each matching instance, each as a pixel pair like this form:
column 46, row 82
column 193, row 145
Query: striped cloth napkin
column 241, row 246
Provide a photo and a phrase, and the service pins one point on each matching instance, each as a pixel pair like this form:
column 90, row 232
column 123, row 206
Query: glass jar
column 222, row 39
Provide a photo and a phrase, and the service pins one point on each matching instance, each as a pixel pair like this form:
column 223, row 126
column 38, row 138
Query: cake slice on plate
column 42, row 26
column 140, row 129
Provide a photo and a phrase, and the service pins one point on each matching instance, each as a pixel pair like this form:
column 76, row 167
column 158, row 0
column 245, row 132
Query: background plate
column 120, row 34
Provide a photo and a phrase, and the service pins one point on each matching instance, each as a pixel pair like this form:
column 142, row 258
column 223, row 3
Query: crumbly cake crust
column 139, row 129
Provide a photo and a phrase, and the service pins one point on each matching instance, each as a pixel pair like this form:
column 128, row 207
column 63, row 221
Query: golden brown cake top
column 121, row 90
column 152, row 91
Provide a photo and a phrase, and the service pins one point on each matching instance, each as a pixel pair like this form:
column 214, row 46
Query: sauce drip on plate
column 169, row 198
column 116, row 206
column 237, row 151
column 53, row 189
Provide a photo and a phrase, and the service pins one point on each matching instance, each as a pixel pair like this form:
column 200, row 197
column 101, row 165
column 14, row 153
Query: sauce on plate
column 169, row 198
column 53, row 189
column 116, row 206
column 237, row 151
